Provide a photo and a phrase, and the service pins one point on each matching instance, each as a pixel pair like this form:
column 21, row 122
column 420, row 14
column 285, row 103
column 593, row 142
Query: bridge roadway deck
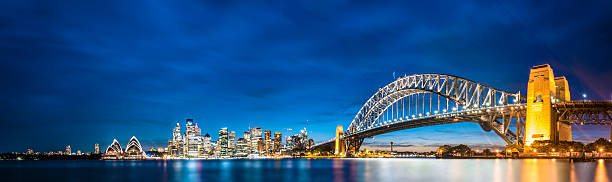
column 600, row 113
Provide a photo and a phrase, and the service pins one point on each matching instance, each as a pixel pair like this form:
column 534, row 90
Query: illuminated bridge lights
column 404, row 104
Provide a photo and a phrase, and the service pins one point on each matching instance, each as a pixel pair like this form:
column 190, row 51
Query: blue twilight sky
column 84, row 72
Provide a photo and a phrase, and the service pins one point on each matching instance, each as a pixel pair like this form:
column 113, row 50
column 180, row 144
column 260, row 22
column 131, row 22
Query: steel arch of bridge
column 466, row 94
column 471, row 102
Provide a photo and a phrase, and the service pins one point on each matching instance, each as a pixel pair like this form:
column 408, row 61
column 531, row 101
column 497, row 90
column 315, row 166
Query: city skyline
column 70, row 80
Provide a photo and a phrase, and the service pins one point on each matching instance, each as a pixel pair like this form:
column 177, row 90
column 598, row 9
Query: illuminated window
column 538, row 98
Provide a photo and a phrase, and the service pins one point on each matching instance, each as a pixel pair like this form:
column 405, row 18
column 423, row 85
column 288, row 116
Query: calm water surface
column 336, row 170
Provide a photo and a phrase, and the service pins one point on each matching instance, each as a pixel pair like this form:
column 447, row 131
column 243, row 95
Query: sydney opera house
column 133, row 150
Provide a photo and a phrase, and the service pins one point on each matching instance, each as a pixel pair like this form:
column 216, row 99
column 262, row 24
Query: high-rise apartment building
column 231, row 143
column 256, row 138
column 206, row 145
column 247, row 137
column 268, row 141
column 222, row 143
column 68, row 150
column 277, row 142
column 242, row 148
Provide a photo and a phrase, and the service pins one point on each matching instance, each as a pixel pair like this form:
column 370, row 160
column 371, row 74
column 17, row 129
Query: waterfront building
column 29, row 151
column 192, row 139
column 113, row 151
column 289, row 143
column 78, row 152
column 222, row 144
column 175, row 145
column 206, row 145
column 242, row 148
column 97, row 148
column 260, row 145
column 256, row 136
column 276, row 147
column 68, row 150
column 231, row 143
column 268, row 141
column 303, row 136
column 247, row 137
column 133, row 150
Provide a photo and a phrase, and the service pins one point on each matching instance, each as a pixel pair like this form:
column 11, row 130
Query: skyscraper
column 222, row 143
column 68, row 150
column 268, row 141
column 247, row 137
column 231, row 143
column 255, row 139
column 175, row 146
column 242, row 148
column 206, row 144
column 277, row 142
column 193, row 141
column 96, row 149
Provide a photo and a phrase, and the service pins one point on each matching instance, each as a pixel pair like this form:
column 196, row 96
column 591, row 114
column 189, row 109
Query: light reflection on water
column 337, row 170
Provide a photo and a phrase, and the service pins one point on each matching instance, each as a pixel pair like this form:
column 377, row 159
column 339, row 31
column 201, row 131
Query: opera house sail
column 133, row 150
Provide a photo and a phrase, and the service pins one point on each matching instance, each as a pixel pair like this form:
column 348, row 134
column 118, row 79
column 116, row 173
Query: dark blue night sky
column 84, row 72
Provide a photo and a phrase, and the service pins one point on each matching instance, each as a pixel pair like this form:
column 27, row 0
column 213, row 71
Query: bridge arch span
column 456, row 100
column 464, row 93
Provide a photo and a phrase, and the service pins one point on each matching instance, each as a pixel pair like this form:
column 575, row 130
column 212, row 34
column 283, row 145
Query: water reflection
column 337, row 170
column 601, row 174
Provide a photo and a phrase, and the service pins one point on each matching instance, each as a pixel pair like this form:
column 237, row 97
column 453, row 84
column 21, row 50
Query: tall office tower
column 193, row 142
column 255, row 137
column 242, row 148
column 97, row 148
column 303, row 136
column 289, row 143
column 68, row 150
column 277, row 142
column 247, row 137
column 268, row 141
column 175, row 146
column 222, row 144
column 190, row 127
column 231, row 143
column 198, row 131
column 176, row 134
column 207, row 143
column 261, row 145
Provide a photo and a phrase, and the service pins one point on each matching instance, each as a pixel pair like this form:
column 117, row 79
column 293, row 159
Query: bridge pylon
column 543, row 90
column 339, row 148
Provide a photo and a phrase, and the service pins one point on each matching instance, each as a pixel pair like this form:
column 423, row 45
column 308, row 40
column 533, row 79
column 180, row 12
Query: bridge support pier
column 339, row 147
column 543, row 90
column 352, row 146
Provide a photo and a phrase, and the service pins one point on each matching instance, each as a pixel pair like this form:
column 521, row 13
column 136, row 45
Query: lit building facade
column 276, row 148
column 247, row 137
column 222, row 149
column 68, row 150
column 268, row 141
column 543, row 90
column 242, row 148
column 231, row 139
column 256, row 140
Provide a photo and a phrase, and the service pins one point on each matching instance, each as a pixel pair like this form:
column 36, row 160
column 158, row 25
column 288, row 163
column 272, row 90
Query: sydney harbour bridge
column 546, row 113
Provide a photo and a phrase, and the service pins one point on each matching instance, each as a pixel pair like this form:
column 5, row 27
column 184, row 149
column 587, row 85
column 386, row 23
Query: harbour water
column 336, row 170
